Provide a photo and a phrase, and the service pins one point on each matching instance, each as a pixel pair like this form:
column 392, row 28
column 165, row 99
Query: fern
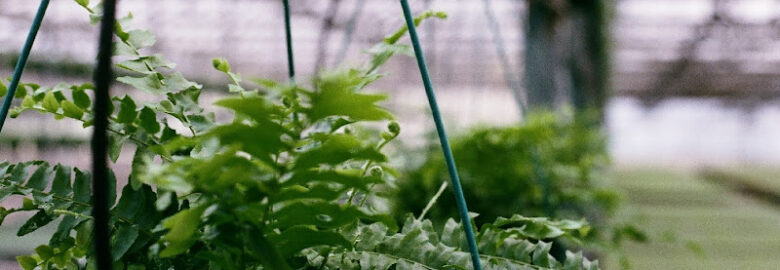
column 60, row 192
column 275, row 188
column 514, row 243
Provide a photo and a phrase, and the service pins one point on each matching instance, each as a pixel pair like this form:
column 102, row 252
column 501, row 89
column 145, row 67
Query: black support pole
column 103, row 78
column 288, row 36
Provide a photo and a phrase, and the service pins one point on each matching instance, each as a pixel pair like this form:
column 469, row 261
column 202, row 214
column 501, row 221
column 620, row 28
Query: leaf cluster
column 550, row 165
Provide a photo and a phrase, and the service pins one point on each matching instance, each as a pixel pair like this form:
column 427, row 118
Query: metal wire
column 349, row 30
column 445, row 144
column 9, row 96
column 103, row 78
column 288, row 35
column 503, row 58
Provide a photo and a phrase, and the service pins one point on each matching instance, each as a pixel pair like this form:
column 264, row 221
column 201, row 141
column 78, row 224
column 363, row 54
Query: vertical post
column 503, row 59
column 323, row 41
column 103, row 78
column 540, row 57
column 9, row 96
column 589, row 59
column 349, row 30
column 445, row 144
column 288, row 35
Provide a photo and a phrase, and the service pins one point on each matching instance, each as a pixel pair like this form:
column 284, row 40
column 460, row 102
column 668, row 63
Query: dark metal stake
column 288, row 35
column 9, row 96
column 445, row 144
column 103, row 78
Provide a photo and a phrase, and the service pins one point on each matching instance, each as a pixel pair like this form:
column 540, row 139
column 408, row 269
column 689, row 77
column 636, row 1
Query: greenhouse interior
column 360, row 134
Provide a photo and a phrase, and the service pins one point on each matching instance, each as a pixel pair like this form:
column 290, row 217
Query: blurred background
column 684, row 90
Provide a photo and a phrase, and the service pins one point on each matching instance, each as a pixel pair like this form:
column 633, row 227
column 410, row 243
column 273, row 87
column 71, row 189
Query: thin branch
column 433, row 200
column 325, row 31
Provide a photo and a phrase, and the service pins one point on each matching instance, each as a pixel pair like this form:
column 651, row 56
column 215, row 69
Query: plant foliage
column 273, row 188
column 549, row 166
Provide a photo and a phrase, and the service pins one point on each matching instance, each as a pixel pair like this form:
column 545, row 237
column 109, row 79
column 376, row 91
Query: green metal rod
column 9, row 96
column 445, row 144
column 288, row 35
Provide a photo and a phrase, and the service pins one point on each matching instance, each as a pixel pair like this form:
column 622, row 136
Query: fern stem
column 365, row 170
column 433, row 200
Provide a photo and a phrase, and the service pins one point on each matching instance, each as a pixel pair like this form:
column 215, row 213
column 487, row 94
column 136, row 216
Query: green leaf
column 323, row 215
column 417, row 20
column 115, row 143
column 40, row 178
column 84, row 234
column 35, row 222
column 157, row 84
column 61, row 184
column 122, row 49
column 167, row 134
column 62, row 236
column 80, row 98
column 176, row 82
column 164, row 200
column 184, row 101
column 128, row 205
column 340, row 122
column 150, row 83
column 259, row 141
column 4, row 166
column 21, row 91
column 265, row 251
column 142, row 159
column 382, row 52
column 81, row 190
column 83, row 3
column 124, row 22
column 45, row 252
column 28, row 204
column 146, row 64
column 181, row 231
column 122, row 240
column 20, row 171
column 220, row 64
column 148, row 120
column 337, row 149
column 346, row 178
column 256, row 108
column 136, row 267
column 4, row 194
column 111, row 188
column 573, row 261
column 140, row 38
column 3, row 212
column 70, row 109
column 3, row 89
column 297, row 238
column 127, row 110
column 297, row 192
column 543, row 228
column 420, row 246
column 28, row 102
column 222, row 171
column 27, row 262
column 201, row 123
column 337, row 96
column 58, row 91
column 50, row 103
